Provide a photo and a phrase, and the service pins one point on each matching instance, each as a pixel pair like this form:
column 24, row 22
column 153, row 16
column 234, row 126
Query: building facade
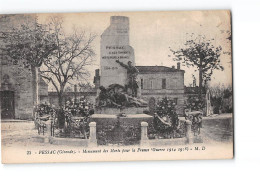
column 16, row 91
column 158, row 82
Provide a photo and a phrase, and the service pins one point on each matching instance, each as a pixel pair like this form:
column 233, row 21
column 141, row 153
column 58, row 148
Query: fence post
column 92, row 134
column 188, row 131
column 47, row 135
column 144, row 137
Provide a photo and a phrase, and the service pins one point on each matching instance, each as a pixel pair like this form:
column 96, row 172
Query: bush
column 195, row 104
column 166, row 109
column 221, row 99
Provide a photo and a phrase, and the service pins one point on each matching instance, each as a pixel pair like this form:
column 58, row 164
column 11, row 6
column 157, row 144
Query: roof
column 145, row 69
column 193, row 90
column 87, row 93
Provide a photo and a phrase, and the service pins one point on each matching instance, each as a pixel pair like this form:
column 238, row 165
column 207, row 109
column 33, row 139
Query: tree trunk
column 61, row 115
column 35, row 85
column 60, row 96
column 200, row 81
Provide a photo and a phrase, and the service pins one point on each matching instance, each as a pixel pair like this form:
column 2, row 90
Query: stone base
column 128, row 110
column 119, row 130
column 133, row 119
column 92, row 143
column 27, row 116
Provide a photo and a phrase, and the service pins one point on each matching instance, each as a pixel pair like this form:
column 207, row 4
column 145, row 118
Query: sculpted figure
column 115, row 96
column 132, row 72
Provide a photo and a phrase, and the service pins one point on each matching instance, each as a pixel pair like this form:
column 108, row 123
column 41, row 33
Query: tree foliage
column 29, row 43
column 222, row 98
column 201, row 54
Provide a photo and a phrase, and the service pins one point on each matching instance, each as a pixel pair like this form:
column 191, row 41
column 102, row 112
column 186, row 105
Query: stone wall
column 19, row 78
column 43, row 91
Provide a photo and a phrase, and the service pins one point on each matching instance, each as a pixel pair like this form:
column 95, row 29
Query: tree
column 221, row 98
column 31, row 44
column 74, row 52
column 201, row 54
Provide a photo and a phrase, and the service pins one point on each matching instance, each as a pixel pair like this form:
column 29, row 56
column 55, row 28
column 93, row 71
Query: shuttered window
column 163, row 83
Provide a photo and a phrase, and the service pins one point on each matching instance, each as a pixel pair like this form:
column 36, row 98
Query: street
column 218, row 128
column 19, row 133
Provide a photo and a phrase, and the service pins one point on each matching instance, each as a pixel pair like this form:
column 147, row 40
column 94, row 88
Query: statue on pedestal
column 114, row 96
column 132, row 73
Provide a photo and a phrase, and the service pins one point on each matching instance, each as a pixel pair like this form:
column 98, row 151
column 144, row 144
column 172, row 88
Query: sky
column 152, row 33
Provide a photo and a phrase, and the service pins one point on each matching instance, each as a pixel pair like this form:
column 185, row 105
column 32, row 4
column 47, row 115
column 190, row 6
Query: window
column 4, row 60
column 142, row 84
column 175, row 101
column 151, row 84
column 164, row 83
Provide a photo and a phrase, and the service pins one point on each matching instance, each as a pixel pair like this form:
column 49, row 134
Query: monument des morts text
column 115, row 46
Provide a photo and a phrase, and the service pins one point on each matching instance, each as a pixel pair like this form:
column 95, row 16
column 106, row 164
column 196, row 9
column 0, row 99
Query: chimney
column 96, row 79
column 97, row 72
column 178, row 65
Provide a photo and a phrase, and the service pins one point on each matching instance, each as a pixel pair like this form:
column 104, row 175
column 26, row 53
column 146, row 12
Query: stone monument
column 117, row 104
column 115, row 46
column 118, row 79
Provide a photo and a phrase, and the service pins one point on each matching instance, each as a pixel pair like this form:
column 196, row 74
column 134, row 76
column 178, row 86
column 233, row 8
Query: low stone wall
column 143, row 139
column 90, row 142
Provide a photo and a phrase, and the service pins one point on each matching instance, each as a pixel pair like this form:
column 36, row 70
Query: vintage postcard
column 122, row 86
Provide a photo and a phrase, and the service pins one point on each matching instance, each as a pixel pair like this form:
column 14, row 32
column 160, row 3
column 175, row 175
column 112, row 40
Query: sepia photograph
column 116, row 86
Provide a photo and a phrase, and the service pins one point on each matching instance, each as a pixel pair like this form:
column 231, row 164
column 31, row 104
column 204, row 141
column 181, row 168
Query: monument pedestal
column 112, row 119
column 112, row 129
column 128, row 110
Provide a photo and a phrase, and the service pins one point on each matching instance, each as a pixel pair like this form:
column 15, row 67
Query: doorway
column 7, row 102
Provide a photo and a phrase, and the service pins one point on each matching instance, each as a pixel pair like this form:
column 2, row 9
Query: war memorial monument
column 118, row 104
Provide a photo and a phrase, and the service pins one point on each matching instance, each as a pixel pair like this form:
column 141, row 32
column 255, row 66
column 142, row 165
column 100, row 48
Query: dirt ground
column 217, row 128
